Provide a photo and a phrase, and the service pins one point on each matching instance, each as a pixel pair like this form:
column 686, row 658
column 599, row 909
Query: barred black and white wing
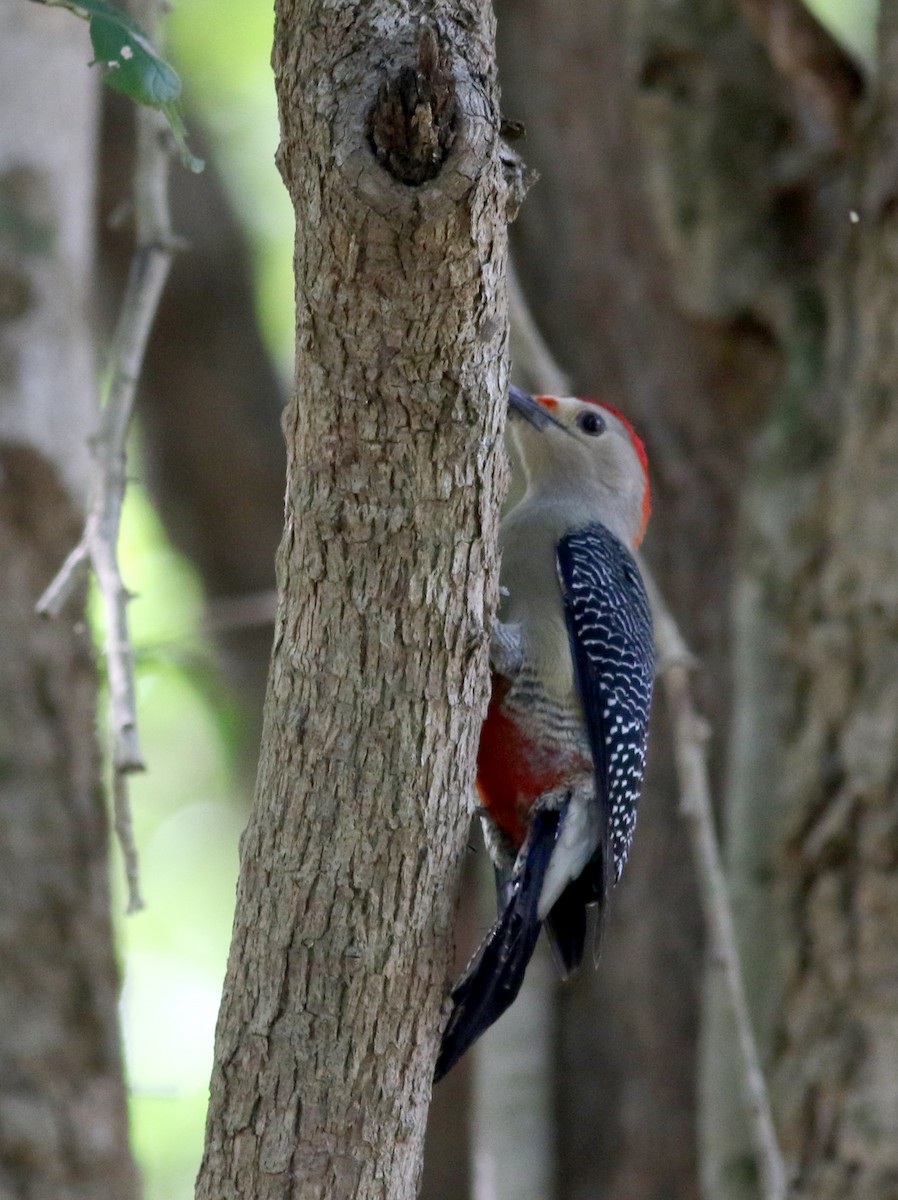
column 610, row 629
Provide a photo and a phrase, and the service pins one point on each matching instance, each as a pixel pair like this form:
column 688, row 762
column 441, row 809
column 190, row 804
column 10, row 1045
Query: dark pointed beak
column 520, row 404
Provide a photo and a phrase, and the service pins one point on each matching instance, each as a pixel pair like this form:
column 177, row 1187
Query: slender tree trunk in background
column 513, row 1139
column 63, row 1121
column 820, row 587
column 339, row 962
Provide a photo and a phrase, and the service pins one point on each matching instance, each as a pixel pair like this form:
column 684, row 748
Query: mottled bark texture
column 63, row 1123
column 338, row 970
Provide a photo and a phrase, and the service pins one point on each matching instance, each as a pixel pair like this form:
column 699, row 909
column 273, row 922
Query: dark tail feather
column 493, row 980
column 566, row 921
column 566, row 929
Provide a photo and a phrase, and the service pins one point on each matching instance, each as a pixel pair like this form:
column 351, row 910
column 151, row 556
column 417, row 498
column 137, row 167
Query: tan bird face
column 582, row 448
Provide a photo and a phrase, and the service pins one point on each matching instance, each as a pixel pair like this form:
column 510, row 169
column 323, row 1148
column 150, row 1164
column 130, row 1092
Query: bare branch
column 691, row 735
column 71, row 573
column 99, row 542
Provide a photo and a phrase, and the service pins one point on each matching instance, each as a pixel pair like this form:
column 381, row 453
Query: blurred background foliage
column 190, row 807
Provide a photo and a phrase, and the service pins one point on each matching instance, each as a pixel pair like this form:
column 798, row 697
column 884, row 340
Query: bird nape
column 562, row 750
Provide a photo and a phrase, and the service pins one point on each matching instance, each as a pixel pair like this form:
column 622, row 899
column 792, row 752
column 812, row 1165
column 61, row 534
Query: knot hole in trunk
column 412, row 123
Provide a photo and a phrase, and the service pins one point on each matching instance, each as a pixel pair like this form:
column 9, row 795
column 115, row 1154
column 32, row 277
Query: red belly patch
column 514, row 769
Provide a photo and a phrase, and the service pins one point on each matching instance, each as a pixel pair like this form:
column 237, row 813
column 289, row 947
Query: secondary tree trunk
column 823, row 580
column 63, row 1121
column 338, row 969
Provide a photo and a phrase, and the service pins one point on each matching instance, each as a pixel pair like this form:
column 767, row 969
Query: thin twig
column 124, row 831
column 691, row 734
column 98, row 547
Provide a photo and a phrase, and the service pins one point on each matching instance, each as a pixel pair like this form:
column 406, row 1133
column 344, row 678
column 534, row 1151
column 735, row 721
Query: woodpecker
column 562, row 750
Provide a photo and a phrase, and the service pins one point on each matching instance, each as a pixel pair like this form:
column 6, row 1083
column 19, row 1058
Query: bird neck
column 564, row 511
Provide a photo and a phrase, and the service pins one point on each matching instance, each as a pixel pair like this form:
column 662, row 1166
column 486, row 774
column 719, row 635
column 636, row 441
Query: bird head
column 586, row 452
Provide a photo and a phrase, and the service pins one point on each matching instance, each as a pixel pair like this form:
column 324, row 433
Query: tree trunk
column 826, row 577
column 387, row 573
column 63, row 1121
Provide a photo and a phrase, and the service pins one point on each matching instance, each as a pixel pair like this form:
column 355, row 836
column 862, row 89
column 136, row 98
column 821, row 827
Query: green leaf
column 130, row 64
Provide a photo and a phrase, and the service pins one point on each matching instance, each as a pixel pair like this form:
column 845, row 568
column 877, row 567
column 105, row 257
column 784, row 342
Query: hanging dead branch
column 98, row 548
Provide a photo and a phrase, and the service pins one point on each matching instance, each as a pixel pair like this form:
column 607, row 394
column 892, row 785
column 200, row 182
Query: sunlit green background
column 190, row 808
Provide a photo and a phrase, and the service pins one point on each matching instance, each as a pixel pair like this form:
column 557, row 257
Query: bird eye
column 591, row 423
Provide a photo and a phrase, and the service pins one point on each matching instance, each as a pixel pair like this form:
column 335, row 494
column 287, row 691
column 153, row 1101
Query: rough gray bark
column 338, row 969
column 63, row 1122
column 219, row 483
